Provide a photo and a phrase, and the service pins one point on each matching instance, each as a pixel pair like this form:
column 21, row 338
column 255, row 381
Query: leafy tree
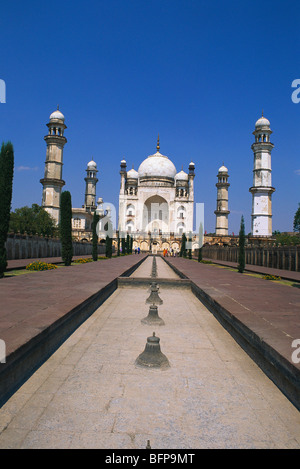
column 284, row 239
column 66, row 227
column 6, row 183
column 96, row 218
column 297, row 220
column 32, row 220
column 242, row 239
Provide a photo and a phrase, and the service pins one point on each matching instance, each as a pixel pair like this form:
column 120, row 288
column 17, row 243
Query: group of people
column 169, row 252
column 166, row 252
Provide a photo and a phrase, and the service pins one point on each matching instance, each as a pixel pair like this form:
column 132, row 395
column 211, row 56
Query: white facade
column 156, row 199
column 262, row 180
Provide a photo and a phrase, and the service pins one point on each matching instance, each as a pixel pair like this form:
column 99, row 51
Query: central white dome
column 157, row 165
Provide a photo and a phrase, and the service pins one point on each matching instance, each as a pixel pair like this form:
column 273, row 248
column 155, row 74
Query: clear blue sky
column 197, row 72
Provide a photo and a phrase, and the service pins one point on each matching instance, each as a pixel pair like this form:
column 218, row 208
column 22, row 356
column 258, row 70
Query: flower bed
column 83, row 260
column 38, row 266
column 271, row 277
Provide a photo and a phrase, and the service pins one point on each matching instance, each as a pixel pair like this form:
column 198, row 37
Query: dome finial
column 157, row 146
column 262, row 113
column 58, row 107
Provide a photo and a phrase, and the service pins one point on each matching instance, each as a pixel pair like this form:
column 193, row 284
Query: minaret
column 191, row 181
column 262, row 181
column 52, row 181
column 222, row 211
column 122, row 197
column 90, row 187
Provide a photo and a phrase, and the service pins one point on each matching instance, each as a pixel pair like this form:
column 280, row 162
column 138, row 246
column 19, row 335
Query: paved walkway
column 90, row 394
column 285, row 274
column 34, row 301
column 22, row 263
column 269, row 309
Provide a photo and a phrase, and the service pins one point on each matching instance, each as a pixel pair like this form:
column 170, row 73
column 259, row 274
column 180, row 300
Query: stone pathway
column 90, row 394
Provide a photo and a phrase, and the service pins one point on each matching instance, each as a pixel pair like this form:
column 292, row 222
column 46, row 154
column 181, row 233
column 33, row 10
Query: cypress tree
column 95, row 237
column 200, row 255
column 118, row 252
column 108, row 246
column 123, row 246
column 128, row 244
column 190, row 249
column 242, row 238
column 66, row 227
column 183, row 246
column 131, row 244
column 6, row 183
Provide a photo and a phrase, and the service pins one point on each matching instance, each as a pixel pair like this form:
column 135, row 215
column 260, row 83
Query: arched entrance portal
column 156, row 215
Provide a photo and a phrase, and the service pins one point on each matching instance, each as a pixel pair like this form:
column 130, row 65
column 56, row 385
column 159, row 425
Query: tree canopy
column 297, row 220
column 32, row 220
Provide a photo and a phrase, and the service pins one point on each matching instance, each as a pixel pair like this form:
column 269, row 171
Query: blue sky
column 198, row 73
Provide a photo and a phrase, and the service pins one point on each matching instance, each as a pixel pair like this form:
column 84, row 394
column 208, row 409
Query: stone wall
column 34, row 247
column 280, row 257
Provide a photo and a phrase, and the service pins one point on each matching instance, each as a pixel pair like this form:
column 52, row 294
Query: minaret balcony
column 268, row 189
column 52, row 181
